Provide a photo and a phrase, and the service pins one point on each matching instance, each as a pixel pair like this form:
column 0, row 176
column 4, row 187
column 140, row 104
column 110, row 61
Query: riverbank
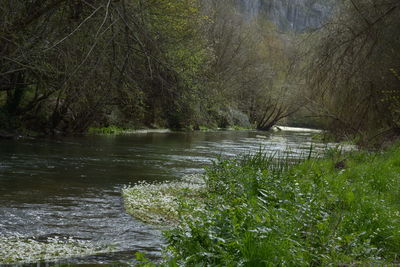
column 257, row 211
column 114, row 130
column 72, row 186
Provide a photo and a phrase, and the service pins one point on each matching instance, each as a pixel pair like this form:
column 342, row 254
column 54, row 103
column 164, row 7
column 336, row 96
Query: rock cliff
column 290, row 15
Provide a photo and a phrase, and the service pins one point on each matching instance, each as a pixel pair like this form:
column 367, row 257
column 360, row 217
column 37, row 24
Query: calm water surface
column 71, row 187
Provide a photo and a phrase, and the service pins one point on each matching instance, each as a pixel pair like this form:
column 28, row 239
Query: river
column 71, row 186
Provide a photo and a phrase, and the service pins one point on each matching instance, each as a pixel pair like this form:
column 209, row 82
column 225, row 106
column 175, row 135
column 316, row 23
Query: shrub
column 260, row 213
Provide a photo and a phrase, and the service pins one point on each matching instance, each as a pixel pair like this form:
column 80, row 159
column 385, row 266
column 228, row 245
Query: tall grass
column 260, row 211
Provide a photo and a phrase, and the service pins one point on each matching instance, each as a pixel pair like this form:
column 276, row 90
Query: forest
column 70, row 65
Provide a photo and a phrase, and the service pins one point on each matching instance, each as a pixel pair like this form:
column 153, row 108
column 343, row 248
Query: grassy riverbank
column 115, row 130
column 340, row 210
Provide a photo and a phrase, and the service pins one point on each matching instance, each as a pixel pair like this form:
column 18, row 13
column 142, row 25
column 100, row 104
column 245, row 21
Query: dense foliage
column 66, row 66
column 354, row 73
column 320, row 212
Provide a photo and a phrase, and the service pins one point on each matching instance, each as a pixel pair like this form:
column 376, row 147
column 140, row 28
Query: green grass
column 240, row 128
column 260, row 213
column 110, row 130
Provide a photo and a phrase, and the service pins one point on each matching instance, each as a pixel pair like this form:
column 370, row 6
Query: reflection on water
column 72, row 186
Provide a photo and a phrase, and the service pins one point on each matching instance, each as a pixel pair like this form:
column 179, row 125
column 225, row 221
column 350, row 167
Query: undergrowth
column 318, row 212
column 110, row 130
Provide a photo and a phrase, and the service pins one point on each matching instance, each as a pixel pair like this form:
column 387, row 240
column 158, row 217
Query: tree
column 350, row 73
column 250, row 67
column 68, row 64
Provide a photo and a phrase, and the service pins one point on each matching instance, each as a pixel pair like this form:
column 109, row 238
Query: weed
column 263, row 212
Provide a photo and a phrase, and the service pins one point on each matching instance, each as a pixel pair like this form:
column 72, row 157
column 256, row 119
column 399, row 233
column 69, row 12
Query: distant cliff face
column 296, row 15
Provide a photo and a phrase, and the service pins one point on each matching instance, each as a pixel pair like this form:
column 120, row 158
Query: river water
column 71, row 187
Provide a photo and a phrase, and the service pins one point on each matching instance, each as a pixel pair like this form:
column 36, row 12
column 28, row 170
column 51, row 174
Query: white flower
column 158, row 203
column 16, row 249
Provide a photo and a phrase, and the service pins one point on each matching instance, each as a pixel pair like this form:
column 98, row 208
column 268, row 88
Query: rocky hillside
column 296, row 15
